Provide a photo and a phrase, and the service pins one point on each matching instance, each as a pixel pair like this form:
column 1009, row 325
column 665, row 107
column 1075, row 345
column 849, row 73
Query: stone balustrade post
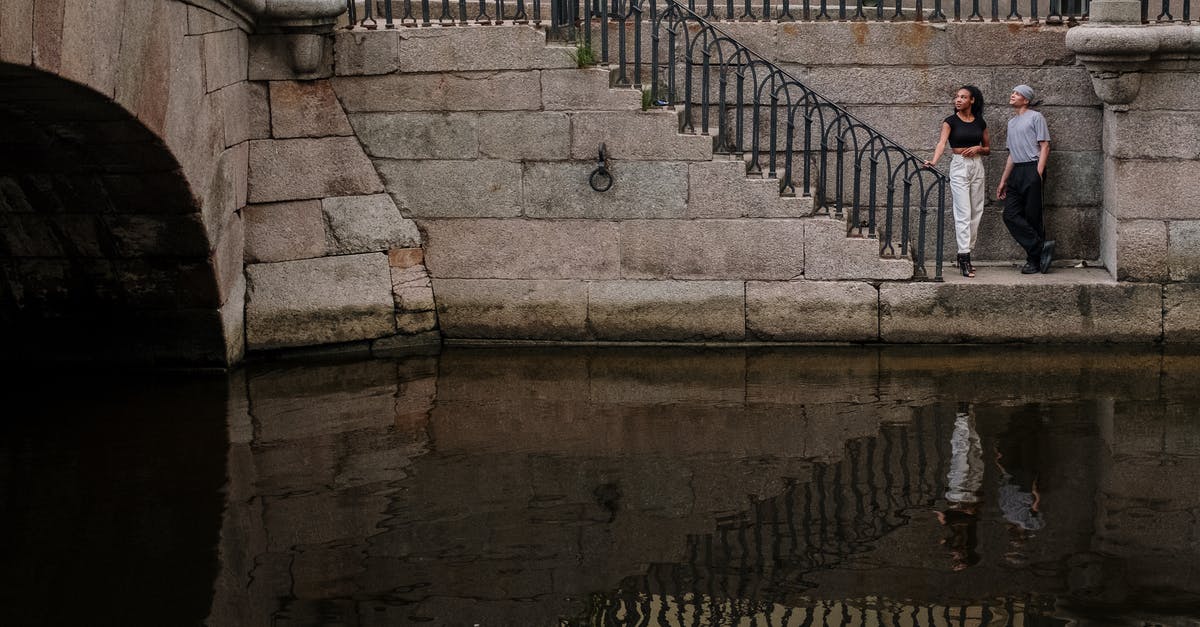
column 1149, row 79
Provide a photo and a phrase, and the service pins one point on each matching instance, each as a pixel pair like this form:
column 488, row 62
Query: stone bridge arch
column 123, row 147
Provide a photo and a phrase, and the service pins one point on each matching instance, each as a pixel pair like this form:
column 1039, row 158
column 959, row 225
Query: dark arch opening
column 103, row 250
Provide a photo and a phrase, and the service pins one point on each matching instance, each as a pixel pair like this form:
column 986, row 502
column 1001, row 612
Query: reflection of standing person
column 966, row 133
column 965, row 479
column 964, row 490
column 1018, row 495
column 1021, row 184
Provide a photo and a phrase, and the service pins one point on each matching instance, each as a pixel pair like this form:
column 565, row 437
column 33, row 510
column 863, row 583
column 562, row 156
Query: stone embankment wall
column 123, row 135
column 485, row 137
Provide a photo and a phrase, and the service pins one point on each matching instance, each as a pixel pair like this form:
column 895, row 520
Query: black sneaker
column 1047, row 256
column 1029, row 268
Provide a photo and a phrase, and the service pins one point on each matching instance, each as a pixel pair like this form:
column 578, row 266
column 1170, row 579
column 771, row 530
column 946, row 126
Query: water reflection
column 855, row 486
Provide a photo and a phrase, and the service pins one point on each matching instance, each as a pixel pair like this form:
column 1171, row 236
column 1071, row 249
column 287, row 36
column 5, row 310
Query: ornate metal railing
column 812, row 146
column 552, row 13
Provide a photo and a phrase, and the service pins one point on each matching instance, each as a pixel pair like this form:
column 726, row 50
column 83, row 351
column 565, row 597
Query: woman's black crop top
column 964, row 134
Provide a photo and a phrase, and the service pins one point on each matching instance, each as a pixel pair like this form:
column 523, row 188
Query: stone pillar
column 1149, row 78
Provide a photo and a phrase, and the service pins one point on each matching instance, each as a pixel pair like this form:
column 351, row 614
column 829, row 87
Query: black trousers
column 1023, row 209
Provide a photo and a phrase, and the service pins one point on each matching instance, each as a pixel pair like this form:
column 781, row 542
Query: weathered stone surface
column 1142, row 250
column 417, row 135
column 284, row 231
column 270, row 59
column 889, row 85
column 189, row 129
column 830, row 255
column 360, row 224
column 90, row 47
column 233, row 321
column 233, row 106
column 523, row 136
column 226, row 190
column 225, row 55
column 667, row 310
column 640, row 190
column 318, row 301
column 859, row 43
column 712, row 249
column 1023, row 45
column 721, row 189
column 415, row 322
column 406, row 257
column 512, row 309
column 47, row 40
column 407, row 344
column 201, row 21
column 1063, row 306
column 586, row 89
column 258, row 112
column 1152, row 134
column 518, row 249
column 16, row 31
column 1053, row 85
column 294, row 169
column 1173, row 91
column 365, row 52
column 1141, row 189
column 505, row 47
column 1072, row 178
column 412, row 292
column 412, row 289
column 306, row 109
column 440, row 189
column 470, row 91
column 643, row 135
column 1183, row 250
column 227, row 256
column 1181, row 313
column 149, row 46
column 812, row 311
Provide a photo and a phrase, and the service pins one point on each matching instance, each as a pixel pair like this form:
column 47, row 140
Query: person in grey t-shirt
column 1021, row 184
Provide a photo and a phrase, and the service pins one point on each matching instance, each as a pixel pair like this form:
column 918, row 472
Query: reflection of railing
column 392, row 13
column 657, row 609
column 755, row 563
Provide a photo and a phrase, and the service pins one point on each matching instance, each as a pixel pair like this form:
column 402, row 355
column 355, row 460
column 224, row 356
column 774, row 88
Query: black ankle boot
column 964, row 264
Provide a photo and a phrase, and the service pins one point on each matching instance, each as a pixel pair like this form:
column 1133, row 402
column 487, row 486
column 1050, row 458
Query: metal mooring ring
column 601, row 180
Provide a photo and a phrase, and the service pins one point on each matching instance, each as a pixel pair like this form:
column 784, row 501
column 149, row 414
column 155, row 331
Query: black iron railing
column 782, row 129
column 559, row 13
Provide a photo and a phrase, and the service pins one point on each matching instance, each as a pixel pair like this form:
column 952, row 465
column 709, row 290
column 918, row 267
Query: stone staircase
column 486, row 137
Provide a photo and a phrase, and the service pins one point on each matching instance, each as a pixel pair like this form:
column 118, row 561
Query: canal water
column 942, row 487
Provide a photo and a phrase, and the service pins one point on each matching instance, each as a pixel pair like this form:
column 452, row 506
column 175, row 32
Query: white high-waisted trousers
column 966, row 188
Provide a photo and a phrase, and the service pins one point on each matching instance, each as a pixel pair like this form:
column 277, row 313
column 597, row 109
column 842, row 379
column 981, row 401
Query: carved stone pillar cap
column 1101, row 40
column 295, row 13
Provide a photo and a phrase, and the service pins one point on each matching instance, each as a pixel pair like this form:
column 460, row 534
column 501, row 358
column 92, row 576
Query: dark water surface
column 947, row 487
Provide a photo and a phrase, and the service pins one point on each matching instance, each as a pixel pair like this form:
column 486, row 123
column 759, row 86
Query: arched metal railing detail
column 811, row 146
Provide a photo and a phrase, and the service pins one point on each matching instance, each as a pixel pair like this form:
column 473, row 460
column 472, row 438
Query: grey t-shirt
column 1024, row 133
